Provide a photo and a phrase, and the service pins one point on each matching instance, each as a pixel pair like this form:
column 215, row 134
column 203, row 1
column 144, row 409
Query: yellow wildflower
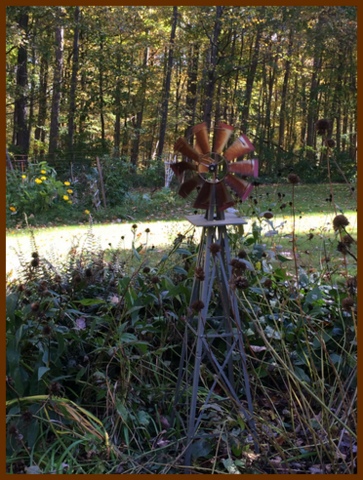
column 38, row 181
column 87, row 212
column 43, row 172
column 70, row 190
column 67, row 184
column 65, row 197
column 12, row 208
column 23, row 176
column 43, row 178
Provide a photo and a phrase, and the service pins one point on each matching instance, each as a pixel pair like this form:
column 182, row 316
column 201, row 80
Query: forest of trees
column 127, row 81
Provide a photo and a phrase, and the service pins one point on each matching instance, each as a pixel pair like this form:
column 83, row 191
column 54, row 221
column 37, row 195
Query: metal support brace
column 205, row 327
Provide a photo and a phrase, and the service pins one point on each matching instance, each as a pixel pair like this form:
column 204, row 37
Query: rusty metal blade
column 223, row 197
column 248, row 168
column 222, row 132
column 200, row 132
column 182, row 146
column 240, row 186
column 203, row 197
column 180, row 167
column 239, row 147
column 187, row 187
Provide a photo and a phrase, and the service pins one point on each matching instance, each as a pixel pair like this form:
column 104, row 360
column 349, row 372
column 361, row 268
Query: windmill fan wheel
column 214, row 169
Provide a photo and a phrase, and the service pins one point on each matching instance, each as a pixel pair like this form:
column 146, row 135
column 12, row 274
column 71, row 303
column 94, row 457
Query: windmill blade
column 222, row 133
column 223, row 197
column 239, row 147
column 203, row 198
column 187, row 187
column 240, row 186
column 182, row 146
column 180, row 167
column 248, row 168
column 200, row 132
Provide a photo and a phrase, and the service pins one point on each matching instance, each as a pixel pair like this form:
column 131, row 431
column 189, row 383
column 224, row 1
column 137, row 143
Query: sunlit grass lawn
column 314, row 213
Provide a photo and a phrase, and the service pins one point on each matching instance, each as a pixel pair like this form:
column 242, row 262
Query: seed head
column 241, row 283
column 47, row 330
column 322, row 126
column 88, row 272
column 197, row 306
column 55, row 388
column 293, row 178
column 35, row 262
column 342, row 248
column 268, row 215
column 347, row 303
column 35, row 306
column 340, row 221
column 329, row 142
column 242, row 254
column 215, row 248
column 199, row 273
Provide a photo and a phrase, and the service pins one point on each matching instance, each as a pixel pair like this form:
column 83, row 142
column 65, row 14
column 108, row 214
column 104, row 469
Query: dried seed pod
column 322, row 126
column 293, row 178
column 340, row 221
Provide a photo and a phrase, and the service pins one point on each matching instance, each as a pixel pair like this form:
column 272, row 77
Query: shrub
column 36, row 190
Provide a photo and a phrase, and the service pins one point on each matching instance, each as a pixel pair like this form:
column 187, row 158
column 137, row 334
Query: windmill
column 213, row 169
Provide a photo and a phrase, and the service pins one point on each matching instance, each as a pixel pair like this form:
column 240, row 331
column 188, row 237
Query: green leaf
column 11, row 303
column 301, row 374
column 90, row 301
column 282, row 258
column 42, row 371
column 201, row 448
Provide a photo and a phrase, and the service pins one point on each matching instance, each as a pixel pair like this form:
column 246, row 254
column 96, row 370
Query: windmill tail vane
column 213, row 166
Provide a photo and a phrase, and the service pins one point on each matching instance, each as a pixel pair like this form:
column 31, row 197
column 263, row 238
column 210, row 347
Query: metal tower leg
column 202, row 326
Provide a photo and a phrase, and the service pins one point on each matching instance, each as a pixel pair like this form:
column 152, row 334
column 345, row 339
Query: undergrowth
column 94, row 346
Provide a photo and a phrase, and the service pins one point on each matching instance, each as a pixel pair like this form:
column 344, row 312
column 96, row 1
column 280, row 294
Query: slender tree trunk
column 73, row 86
column 39, row 133
column 284, row 92
column 141, row 96
column 191, row 97
column 56, row 98
column 251, row 78
column 100, row 86
column 233, row 115
column 21, row 130
column 212, row 63
column 117, row 102
column 166, row 93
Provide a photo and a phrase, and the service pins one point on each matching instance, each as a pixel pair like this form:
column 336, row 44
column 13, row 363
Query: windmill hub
column 212, row 167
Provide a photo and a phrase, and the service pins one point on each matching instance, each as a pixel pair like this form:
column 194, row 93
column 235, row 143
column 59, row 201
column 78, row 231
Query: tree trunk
column 141, row 96
column 191, row 96
column 166, row 92
column 100, row 85
column 117, row 97
column 21, row 131
column 251, row 78
column 212, row 63
column 39, row 133
column 284, row 92
column 73, row 86
column 56, row 98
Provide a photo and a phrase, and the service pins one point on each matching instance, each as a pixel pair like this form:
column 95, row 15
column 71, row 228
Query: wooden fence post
column 99, row 168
